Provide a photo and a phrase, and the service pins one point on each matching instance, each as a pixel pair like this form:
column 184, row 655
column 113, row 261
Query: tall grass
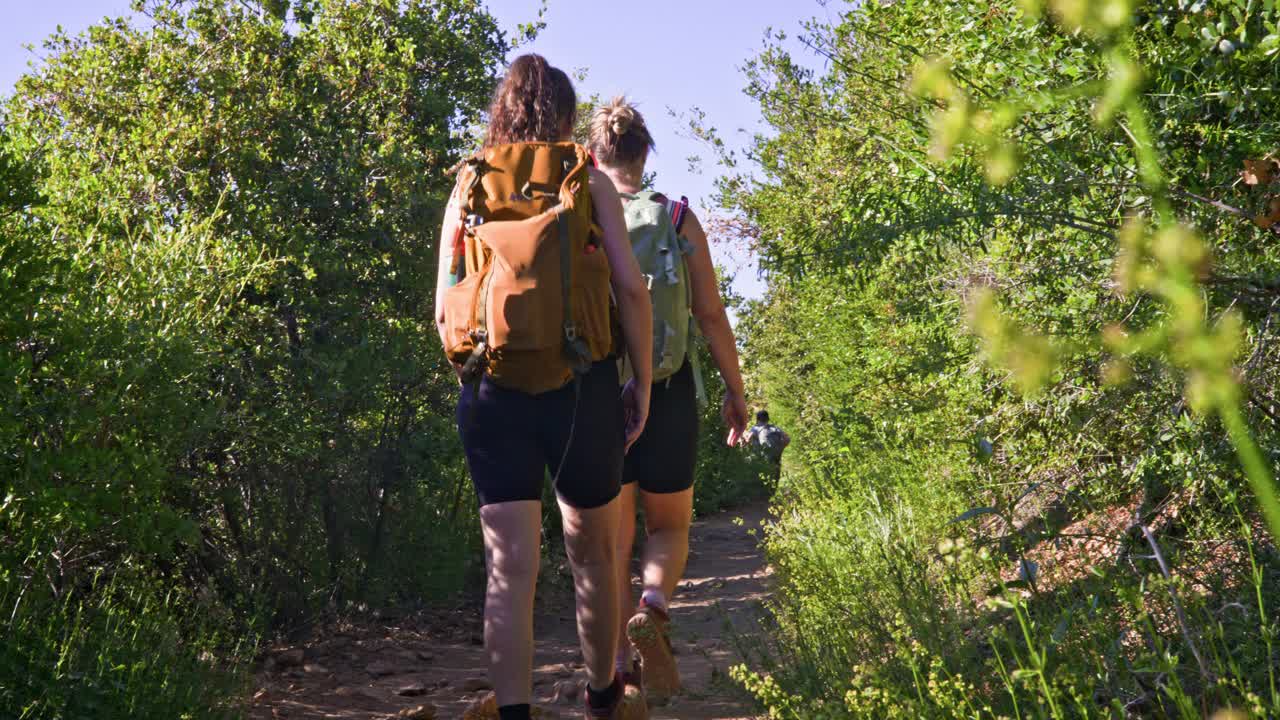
column 114, row 649
column 908, row 629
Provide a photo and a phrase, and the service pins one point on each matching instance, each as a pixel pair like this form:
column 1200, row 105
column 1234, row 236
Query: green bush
column 111, row 342
column 117, row 652
column 223, row 409
column 725, row 477
column 918, row 243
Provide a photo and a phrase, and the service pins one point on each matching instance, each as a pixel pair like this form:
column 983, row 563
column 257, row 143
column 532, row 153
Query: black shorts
column 513, row 438
column 663, row 459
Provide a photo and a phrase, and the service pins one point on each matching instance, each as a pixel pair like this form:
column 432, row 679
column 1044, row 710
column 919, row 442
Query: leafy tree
column 222, row 382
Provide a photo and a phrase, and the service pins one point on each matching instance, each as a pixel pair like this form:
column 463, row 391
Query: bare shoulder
column 691, row 221
column 602, row 187
column 599, row 179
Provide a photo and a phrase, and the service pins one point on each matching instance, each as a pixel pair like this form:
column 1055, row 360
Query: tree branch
column 1221, row 206
column 1205, row 673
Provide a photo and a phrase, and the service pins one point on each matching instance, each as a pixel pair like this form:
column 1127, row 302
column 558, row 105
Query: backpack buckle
column 478, row 361
column 577, row 352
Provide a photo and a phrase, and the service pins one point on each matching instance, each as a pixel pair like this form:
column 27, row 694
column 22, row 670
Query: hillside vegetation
column 1022, row 323
column 223, row 411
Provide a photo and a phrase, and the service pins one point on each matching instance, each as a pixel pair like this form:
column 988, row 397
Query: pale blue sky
column 668, row 54
column 663, row 54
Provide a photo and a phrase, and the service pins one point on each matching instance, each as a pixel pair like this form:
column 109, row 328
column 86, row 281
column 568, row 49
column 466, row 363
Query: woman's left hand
column 635, row 410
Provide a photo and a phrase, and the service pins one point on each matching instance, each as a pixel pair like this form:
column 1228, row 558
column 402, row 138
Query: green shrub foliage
column 726, row 476
column 996, row 504
column 221, row 393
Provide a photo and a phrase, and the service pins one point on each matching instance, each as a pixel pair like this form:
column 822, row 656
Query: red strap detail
column 679, row 210
column 459, row 245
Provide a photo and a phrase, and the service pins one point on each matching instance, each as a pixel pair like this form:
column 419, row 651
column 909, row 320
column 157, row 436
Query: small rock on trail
column 421, row 712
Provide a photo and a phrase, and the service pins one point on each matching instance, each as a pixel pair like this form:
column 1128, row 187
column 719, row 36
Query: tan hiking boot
column 486, row 708
column 649, row 635
column 633, row 705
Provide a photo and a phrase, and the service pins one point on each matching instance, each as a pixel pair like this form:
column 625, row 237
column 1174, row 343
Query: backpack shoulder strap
column 679, row 210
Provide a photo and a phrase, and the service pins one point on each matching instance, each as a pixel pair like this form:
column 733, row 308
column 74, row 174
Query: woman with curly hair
column 579, row 432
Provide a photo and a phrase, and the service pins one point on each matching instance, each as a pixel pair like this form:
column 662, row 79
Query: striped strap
column 679, row 210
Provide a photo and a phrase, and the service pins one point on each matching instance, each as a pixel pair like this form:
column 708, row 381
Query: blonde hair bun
column 620, row 119
column 619, row 134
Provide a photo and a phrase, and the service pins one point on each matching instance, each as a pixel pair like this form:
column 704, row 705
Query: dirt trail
column 377, row 669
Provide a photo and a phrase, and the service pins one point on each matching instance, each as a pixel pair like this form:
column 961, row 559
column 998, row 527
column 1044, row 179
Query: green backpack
column 653, row 222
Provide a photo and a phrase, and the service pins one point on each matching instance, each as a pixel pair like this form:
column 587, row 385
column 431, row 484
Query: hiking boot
column 630, row 705
column 485, row 708
column 633, row 705
column 649, row 635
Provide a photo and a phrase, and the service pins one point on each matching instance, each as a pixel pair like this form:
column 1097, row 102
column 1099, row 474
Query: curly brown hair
column 619, row 136
column 535, row 102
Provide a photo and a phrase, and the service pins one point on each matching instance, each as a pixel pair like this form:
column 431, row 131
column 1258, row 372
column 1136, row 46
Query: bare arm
column 445, row 258
column 708, row 310
column 632, row 295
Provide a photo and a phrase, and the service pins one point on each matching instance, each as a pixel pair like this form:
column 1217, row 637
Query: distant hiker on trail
column 672, row 251
column 523, row 309
column 769, row 440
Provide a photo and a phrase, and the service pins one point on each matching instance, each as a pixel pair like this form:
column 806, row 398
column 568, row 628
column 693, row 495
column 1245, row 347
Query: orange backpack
column 532, row 307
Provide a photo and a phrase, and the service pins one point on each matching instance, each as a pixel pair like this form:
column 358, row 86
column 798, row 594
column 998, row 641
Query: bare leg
column 512, row 547
column 666, row 550
column 589, row 537
column 625, row 545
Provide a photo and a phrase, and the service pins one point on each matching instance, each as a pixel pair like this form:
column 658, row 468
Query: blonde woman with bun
column 659, row 469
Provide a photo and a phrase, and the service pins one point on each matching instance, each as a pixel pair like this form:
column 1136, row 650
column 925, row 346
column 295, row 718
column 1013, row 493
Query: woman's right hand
column 635, row 409
column 733, row 410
